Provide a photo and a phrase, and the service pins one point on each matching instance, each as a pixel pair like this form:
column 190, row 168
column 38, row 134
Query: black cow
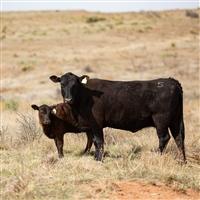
column 130, row 105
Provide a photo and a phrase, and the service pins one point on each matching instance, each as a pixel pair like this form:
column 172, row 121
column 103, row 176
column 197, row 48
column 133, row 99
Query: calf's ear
column 84, row 79
column 35, row 107
column 55, row 79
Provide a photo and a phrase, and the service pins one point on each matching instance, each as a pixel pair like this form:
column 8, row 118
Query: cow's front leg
column 59, row 145
column 89, row 142
column 99, row 144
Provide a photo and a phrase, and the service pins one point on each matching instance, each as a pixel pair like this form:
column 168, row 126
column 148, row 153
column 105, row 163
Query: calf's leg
column 59, row 145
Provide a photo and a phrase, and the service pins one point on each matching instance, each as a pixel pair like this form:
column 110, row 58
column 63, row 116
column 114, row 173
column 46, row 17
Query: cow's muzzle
column 47, row 122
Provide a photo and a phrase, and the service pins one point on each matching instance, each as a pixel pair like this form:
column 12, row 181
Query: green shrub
column 194, row 32
column 95, row 19
column 27, row 68
column 12, row 105
column 173, row 44
column 27, row 65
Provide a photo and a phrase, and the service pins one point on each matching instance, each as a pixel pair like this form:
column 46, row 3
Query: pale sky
column 97, row 5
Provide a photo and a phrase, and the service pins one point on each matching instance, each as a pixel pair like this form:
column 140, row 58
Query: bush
column 12, row 105
column 3, row 139
column 192, row 14
column 173, row 44
column 95, row 19
column 27, row 68
column 28, row 130
column 27, row 65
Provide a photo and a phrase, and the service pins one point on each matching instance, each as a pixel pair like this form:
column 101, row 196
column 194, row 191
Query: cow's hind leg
column 162, row 131
column 178, row 132
column 163, row 136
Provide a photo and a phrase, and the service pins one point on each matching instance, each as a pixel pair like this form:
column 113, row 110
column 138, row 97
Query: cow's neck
column 83, row 99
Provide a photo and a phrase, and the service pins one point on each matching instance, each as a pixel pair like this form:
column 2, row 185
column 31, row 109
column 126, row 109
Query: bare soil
column 139, row 190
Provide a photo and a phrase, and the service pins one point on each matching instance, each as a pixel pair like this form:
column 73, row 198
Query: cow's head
column 70, row 85
column 44, row 112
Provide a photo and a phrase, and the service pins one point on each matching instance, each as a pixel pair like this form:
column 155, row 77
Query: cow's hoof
column 99, row 158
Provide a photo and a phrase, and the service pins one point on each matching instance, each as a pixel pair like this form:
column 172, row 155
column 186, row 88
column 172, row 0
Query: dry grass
column 34, row 171
column 112, row 46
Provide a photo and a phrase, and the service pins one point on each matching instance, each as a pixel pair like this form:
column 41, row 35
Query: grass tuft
column 28, row 129
column 12, row 105
column 94, row 19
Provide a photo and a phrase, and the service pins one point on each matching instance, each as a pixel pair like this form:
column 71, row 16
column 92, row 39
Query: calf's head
column 70, row 85
column 44, row 113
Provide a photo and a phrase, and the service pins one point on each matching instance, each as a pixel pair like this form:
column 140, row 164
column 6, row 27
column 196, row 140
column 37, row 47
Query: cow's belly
column 130, row 124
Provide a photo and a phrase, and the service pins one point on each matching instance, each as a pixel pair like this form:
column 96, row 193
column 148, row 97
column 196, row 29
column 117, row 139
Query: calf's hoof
column 60, row 156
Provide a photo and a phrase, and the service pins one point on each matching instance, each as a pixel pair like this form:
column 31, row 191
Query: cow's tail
column 181, row 138
column 177, row 126
column 181, row 122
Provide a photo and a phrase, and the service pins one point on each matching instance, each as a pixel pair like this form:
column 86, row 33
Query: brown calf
column 55, row 127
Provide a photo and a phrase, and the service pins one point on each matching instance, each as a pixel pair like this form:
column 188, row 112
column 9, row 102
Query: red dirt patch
column 136, row 190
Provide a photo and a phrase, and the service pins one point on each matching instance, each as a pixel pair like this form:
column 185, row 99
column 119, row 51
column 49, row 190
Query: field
column 125, row 46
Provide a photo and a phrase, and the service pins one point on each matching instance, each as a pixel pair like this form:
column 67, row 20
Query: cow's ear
column 35, row 107
column 55, row 79
column 84, row 79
